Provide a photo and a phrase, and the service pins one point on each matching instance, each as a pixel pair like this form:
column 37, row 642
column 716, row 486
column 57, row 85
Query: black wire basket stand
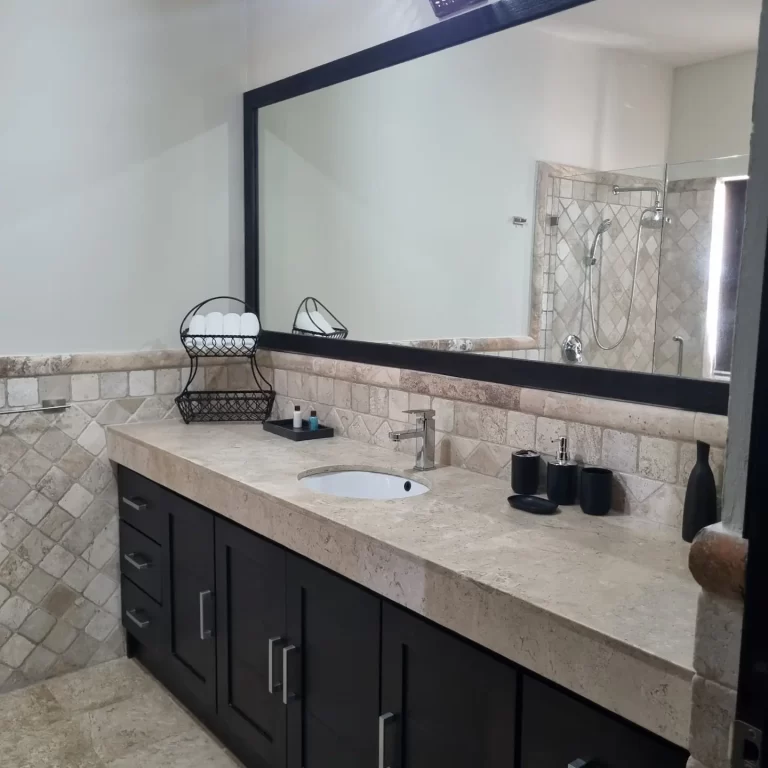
column 222, row 405
column 311, row 304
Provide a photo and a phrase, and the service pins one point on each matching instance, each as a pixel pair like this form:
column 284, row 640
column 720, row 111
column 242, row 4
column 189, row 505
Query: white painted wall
column 712, row 109
column 389, row 197
column 290, row 36
column 120, row 169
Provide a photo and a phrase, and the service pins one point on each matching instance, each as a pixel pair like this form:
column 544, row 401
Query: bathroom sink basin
column 362, row 484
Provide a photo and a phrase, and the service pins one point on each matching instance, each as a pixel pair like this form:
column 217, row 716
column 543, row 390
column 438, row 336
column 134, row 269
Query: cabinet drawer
column 560, row 730
column 141, row 561
column 143, row 617
column 144, row 504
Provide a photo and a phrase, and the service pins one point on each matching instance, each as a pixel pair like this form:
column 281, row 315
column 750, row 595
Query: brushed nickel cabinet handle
column 384, row 721
column 273, row 686
column 133, row 615
column 136, row 503
column 288, row 692
column 206, row 598
column 138, row 561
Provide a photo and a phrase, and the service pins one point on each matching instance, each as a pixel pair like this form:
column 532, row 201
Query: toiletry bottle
column 562, row 476
column 297, row 417
column 313, row 422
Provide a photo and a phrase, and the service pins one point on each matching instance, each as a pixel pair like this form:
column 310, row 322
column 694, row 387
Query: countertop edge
column 655, row 682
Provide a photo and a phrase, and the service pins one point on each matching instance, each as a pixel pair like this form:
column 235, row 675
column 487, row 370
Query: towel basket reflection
column 312, row 305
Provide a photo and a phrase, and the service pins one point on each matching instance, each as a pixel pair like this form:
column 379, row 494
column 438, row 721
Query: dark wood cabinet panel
column 558, row 730
column 250, row 588
column 189, row 585
column 454, row 705
column 333, row 676
column 143, row 618
column 141, row 561
column 144, row 504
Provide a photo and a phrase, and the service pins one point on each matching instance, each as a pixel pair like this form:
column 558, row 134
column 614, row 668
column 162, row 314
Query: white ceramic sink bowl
column 362, row 484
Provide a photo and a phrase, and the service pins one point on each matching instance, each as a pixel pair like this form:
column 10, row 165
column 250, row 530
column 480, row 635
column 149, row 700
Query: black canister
column 563, row 477
column 525, row 472
column 596, row 490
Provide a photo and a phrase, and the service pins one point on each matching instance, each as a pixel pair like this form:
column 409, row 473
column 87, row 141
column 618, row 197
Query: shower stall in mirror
column 640, row 267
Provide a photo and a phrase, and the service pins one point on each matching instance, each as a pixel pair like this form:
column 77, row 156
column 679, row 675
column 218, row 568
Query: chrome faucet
column 425, row 453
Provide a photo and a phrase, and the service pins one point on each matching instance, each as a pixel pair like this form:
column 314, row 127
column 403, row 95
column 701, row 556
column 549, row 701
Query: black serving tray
column 284, row 428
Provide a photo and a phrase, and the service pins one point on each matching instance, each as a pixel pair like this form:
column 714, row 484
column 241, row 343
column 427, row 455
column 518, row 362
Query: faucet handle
column 427, row 413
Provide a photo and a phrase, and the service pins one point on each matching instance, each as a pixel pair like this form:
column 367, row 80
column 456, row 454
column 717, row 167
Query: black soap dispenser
column 562, row 477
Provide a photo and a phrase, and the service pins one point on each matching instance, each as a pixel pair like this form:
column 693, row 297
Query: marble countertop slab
column 605, row 607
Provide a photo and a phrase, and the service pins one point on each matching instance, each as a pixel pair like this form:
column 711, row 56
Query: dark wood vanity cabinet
column 452, row 705
column 251, row 634
column 293, row 666
column 560, row 731
column 166, row 551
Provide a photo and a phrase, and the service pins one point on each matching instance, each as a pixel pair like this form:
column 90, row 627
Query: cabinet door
column 250, row 589
column 451, row 704
column 190, row 586
column 560, row 730
column 333, row 673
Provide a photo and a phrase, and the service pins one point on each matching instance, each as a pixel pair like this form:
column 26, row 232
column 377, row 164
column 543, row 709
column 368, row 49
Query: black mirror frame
column 706, row 396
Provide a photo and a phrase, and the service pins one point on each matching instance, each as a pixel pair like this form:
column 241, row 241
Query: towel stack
column 216, row 330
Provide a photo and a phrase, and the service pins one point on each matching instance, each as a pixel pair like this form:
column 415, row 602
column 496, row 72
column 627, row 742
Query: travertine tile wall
column 684, row 276
column 59, row 566
column 650, row 449
column 716, row 663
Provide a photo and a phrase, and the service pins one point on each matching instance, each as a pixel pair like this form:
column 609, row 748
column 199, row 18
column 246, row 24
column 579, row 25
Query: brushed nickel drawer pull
column 134, row 617
column 136, row 503
column 138, row 561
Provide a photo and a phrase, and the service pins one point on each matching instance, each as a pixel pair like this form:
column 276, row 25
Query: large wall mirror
column 569, row 191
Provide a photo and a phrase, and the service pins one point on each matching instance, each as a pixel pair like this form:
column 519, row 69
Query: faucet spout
column 406, row 435
column 425, row 453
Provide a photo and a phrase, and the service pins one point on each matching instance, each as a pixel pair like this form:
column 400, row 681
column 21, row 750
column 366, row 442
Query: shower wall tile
column 580, row 201
column 684, row 277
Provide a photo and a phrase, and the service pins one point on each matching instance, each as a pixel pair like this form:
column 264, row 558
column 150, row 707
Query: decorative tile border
column 650, row 449
column 14, row 367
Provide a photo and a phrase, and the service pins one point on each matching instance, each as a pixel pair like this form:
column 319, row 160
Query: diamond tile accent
column 59, row 568
column 616, row 262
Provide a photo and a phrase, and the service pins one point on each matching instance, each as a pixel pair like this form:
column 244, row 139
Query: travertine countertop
column 603, row 606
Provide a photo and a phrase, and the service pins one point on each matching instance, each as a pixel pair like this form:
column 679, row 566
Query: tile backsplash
column 651, row 449
column 59, row 564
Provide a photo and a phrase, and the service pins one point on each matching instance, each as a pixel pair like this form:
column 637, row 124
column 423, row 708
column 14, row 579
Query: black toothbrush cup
column 596, row 491
column 526, row 472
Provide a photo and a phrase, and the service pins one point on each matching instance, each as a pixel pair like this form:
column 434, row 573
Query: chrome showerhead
column 605, row 225
column 653, row 218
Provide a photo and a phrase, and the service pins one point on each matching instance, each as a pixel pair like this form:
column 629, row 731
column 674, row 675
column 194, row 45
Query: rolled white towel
column 231, row 327
column 196, row 328
column 324, row 326
column 249, row 326
column 214, row 328
column 303, row 323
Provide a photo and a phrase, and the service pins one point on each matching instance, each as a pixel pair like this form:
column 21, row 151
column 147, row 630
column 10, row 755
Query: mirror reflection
column 562, row 191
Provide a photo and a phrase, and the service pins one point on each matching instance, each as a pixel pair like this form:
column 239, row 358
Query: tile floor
column 110, row 716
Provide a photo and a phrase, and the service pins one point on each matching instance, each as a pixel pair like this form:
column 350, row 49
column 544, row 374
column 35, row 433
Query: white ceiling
column 678, row 31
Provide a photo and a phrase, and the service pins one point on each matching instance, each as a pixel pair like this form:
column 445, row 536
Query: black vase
column 701, row 497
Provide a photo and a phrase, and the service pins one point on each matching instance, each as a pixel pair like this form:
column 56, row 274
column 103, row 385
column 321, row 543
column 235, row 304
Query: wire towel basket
column 222, row 405
column 310, row 305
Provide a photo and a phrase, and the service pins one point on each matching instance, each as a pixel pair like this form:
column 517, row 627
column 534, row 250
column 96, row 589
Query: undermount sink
column 362, row 484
